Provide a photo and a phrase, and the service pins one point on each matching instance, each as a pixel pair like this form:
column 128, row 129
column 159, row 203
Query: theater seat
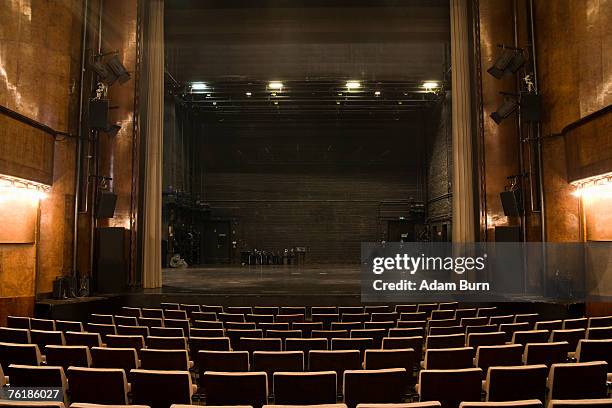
column 98, row 385
column 338, row 361
column 11, row 335
column 38, row 376
column 247, row 388
column 448, row 358
column 108, row 357
column 374, row 386
column 12, row 353
column 160, row 388
column 295, row 388
column 83, row 339
column 156, row 359
column 66, row 356
column 578, row 380
column 516, row 383
column 426, row 404
column 273, row 361
column 450, row 387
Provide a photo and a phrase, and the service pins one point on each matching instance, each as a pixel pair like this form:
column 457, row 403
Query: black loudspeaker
column 106, row 205
column 511, row 202
column 508, row 234
column 530, row 108
column 112, row 263
column 98, row 114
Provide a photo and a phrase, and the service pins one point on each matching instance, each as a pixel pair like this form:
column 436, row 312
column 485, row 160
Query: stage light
column 275, row 85
column 351, row 85
column 377, row 93
column 248, row 94
column 11, row 187
column 109, row 70
column 430, row 86
column 506, row 109
column 115, row 65
column 199, row 86
column 508, row 62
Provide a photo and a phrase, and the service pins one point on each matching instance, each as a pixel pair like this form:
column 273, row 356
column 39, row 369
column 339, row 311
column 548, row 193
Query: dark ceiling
column 314, row 47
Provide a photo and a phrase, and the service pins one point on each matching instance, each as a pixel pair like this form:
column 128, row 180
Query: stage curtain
column 463, row 187
column 153, row 132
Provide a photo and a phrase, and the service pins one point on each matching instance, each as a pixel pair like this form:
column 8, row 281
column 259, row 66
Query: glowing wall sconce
column 15, row 187
column 597, row 186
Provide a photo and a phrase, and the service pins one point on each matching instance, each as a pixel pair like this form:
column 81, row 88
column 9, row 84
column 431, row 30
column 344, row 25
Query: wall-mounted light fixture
column 596, row 186
column 15, row 187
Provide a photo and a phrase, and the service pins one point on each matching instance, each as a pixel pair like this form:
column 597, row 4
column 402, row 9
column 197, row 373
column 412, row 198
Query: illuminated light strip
column 596, row 185
column 15, row 186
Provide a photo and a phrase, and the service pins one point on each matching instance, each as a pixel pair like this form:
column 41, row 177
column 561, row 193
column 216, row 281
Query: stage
column 264, row 280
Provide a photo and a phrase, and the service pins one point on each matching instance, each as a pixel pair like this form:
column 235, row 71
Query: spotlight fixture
column 275, row 85
column 17, row 187
column 506, row 109
column 110, row 69
column 596, row 186
column 508, row 62
column 430, row 86
column 199, row 86
column 351, row 85
column 248, row 94
column 377, row 93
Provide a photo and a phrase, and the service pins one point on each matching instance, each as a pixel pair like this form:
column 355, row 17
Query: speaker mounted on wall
column 106, row 205
column 511, row 202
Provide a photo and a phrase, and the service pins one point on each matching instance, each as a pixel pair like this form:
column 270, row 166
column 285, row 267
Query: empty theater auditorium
column 306, row 203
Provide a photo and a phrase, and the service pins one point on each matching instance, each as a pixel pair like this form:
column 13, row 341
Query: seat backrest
column 159, row 388
column 102, row 329
column 98, row 385
column 601, row 321
column 273, row 326
column 375, row 334
column 306, row 345
column 42, row 324
column 125, row 321
column 504, row 355
column 209, row 343
column 133, row 331
column 342, row 310
column 337, row 361
column 67, row 325
column 266, row 310
column 166, row 343
column 330, row 334
column 374, row 386
column 151, row 321
column 305, row 388
column 442, row 314
column 501, row 383
column 361, row 344
column 307, row 327
column 384, row 317
column 273, row 361
column 169, row 306
column 292, row 310
column 446, row 341
column 461, row 313
column 196, row 332
column 546, row 353
column 206, row 324
column 290, row 318
column 504, row 319
column 580, row 323
column 443, row 323
column 44, row 337
column 510, row 328
column 66, row 356
column 407, row 331
column 178, row 323
column 413, row 342
column 211, row 308
column 18, row 322
column 549, row 325
column 130, row 311
column 450, row 387
column 121, row 341
column 486, row 311
column 405, row 308
column 314, row 310
column 594, row 350
column 398, row 358
column 166, row 332
column 530, row 336
column 108, row 357
column 376, row 309
column 448, row 358
column 578, row 380
column 83, row 339
column 232, row 361
column 13, row 353
column 572, row 337
column 599, row 333
column 427, row 308
column 476, row 340
column 175, row 314
column 259, row 318
column 346, row 326
column 380, row 325
column 487, row 328
column 529, row 318
column 326, row 319
column 205, row 316
column 443, row 331
column 355, row 317
column 236, row 335
column 11, row 335
column 152, row 313
column 474, row 321
column 243, row 310
column 240, row 325
column 156, row 359
column 284, row 334
column 38, row 376
column 231, row 317
column 101, row 319
column 225, row 388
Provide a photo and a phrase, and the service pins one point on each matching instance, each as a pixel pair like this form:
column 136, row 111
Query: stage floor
column 264, row 280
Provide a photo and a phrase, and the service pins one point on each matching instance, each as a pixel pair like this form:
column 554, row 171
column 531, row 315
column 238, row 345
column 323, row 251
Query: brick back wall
column 318, row 187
